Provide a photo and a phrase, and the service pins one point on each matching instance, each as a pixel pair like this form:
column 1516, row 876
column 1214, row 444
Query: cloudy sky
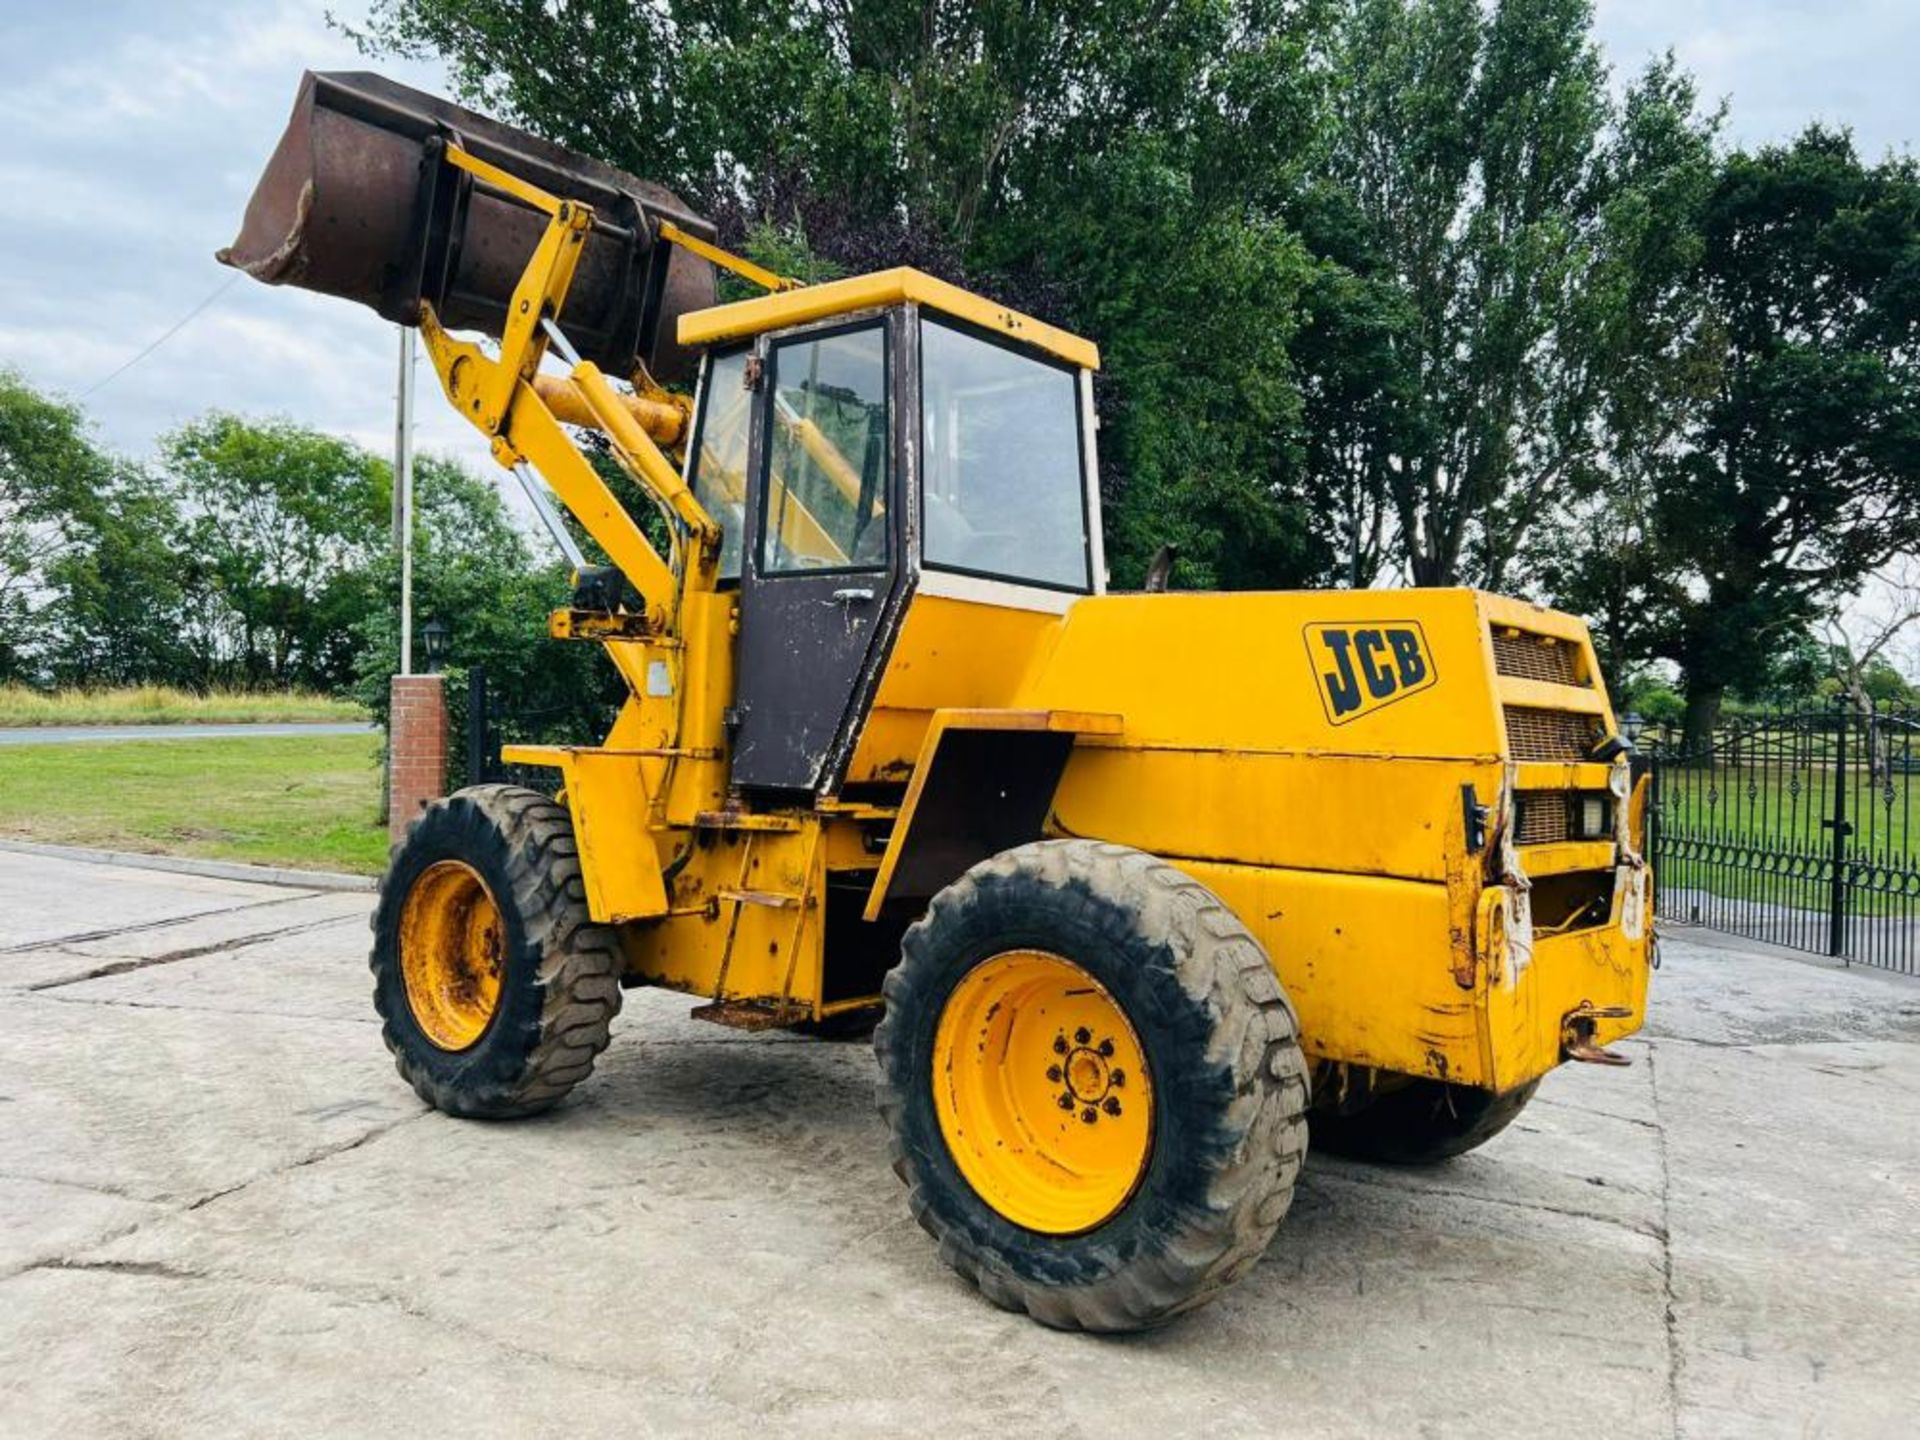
column 131, row 134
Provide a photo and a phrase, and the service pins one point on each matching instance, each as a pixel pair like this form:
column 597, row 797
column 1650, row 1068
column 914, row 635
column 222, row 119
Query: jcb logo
column 1362, row 668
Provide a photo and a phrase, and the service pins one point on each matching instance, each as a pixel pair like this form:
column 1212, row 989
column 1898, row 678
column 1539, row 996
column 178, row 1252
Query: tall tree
column 121, row 591
column 1655, row 355
column 1114, row 168
column 1485, row 203
column 50, row 470
column 1797, row 472
column 283, row 526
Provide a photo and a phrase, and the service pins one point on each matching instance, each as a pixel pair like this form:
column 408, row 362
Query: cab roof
column 882, row 288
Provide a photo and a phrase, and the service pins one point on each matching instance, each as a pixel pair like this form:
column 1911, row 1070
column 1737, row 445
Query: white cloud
column 128, row 146
column 1782, row 63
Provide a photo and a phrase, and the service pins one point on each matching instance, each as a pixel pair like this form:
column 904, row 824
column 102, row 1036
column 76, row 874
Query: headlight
column 1595, row 817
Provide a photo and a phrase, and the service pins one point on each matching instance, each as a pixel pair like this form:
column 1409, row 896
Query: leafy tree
column 1200, row 432
column 51, row 473
column 284, row 525
column 1114, row 168
column 473, row 571
column 1796, row 471
column 121, row 592
column 1491, row 214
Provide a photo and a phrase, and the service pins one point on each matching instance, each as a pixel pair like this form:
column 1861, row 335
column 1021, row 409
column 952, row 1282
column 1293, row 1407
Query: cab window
column 826, row 491
column 1004, row 493
column 719, row 480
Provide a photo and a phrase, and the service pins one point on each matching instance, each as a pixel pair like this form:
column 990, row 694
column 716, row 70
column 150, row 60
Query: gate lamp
column 434, row 635
column 1631, row 724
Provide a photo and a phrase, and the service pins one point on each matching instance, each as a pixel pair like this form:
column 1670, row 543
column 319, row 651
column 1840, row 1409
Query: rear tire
column 1422, row 1123
column 514, row 1019
column 1223, row 1089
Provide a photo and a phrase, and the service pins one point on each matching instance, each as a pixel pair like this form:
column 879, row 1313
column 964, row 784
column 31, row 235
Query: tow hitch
column 1576, row 1034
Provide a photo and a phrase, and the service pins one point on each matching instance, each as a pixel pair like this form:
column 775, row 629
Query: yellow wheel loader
column 1143, row 889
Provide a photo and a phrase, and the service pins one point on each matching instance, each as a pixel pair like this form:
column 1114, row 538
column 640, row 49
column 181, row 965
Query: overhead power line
column 166, row 335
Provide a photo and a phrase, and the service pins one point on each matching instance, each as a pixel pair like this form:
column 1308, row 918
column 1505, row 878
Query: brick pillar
column 416, row 749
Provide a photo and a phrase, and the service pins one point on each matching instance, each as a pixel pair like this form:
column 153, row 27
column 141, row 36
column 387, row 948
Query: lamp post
column 434, row 636
column 403, row 494
column 1631, row 724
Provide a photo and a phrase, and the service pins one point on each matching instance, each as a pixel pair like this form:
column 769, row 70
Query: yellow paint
column 642, row 458
column 950, row 654
column 1338, row 840
column 718, row 946
column 1523, row 1018
column 873, row 292
column 1043, row 1092
column 452, row 949
column 500, row 179
column 1302, row 754
column 726, row 259
column 606, row 790
column 664, row 419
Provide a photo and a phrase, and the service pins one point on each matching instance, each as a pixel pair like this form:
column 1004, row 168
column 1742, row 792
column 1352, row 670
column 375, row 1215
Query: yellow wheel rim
column 452, row 946
column 1043, row 1092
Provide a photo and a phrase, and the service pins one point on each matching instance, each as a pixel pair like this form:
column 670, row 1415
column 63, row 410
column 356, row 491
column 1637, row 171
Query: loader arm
column 506, row 400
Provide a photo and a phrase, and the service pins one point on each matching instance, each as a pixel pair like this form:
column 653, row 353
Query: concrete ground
column 221, row 1213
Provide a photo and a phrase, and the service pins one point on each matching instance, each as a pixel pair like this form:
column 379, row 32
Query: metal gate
column 495, row 715
column 1794, row 826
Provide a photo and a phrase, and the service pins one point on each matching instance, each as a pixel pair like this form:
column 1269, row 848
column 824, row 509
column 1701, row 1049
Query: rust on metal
column 748, row 1014
column 357, row 202
column 1576, row 1034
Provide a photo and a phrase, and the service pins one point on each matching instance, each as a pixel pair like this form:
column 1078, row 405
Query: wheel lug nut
column 1066, row 1102
column 1059, row 1044
column 1089, row 1115
column 1082, row 1035
column 1118, row 1078
column 1112, row 1107
column 1053, row 1073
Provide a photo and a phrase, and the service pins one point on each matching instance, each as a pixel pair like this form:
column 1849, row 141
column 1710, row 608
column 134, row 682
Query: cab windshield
column 1004, row 488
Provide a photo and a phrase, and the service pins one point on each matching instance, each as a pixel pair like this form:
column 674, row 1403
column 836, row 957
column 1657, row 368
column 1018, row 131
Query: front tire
column 1094, row 1084
column 495, row 989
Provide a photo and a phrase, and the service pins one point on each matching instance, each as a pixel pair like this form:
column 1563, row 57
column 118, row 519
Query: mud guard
column 606, row 796
column 983, row 783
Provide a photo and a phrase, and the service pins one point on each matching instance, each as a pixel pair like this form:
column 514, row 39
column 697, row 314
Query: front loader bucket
column 358, row 202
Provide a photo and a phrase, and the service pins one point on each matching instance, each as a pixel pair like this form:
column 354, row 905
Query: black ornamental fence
column 497, row 715
column 1794, row 826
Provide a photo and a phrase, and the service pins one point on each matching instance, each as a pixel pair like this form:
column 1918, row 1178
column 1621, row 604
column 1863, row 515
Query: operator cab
column 864, row 441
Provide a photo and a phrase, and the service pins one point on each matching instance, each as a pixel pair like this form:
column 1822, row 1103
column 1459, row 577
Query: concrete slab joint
column 222, row 1213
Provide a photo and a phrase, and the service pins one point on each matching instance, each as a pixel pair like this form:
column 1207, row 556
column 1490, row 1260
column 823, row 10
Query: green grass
column 163, row 705
column 1753, row 807
column 1746, row 835
column 312, row 803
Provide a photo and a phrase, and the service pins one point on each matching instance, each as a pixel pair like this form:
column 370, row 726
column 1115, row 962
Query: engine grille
column 1542, row 817
column 1552, row 736
column 1525, row 655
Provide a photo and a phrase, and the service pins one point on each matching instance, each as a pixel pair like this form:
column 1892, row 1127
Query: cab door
column 823, row 567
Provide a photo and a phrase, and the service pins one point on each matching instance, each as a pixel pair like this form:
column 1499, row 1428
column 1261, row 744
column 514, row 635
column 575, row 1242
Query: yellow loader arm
column 500, row 398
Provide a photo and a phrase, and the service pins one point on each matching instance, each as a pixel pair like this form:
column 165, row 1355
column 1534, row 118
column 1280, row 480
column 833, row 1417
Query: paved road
column 220, row 1213
column 69, row 734
column 1890, row 941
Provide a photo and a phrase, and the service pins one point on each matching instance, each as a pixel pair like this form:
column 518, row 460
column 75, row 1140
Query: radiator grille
column 1542, row 817
column 1527, row 656
column 1553, row 736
